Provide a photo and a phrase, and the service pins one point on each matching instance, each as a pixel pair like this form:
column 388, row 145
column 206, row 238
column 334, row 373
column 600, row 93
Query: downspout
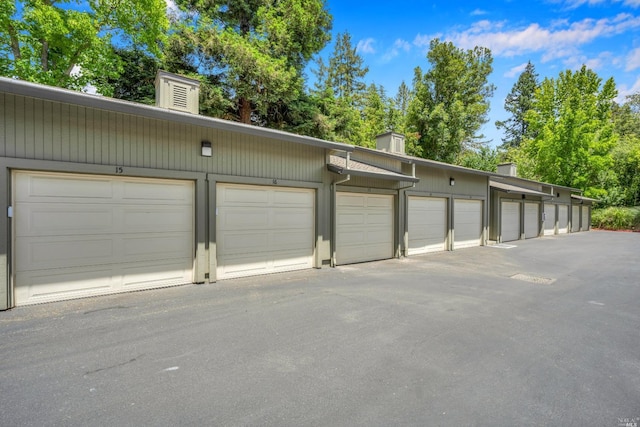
column 334, row 211
column 405, row 232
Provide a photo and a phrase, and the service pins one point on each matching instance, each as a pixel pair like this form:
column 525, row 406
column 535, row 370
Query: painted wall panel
column 44, row 130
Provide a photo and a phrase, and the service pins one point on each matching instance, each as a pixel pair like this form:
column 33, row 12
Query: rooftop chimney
column 390, row 142
column 508, row 169
column 177, row 92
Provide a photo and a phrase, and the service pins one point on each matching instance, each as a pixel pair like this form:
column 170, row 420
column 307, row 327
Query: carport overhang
column 516, row 189
column 347, row 166
column 583, row 199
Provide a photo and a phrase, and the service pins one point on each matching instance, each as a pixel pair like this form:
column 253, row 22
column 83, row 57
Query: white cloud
column 633, row 60
column 516, row 71
column 478, row 12
column 399, row 45
column 423, row 41
column 574, row 4
column 624, row 91
column 562, row 39
column 366, row 46
column 603, row 59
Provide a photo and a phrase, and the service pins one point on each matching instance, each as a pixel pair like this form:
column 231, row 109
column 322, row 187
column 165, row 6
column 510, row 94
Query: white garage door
column 262, row 229
column 427, row 224
column 467, row 223
column 575, row 218
column 563, row 219
column 82, row 235
column 531, row 220
column 510, row 221
column 549, row 219
column 586, row 224
column 364, row 229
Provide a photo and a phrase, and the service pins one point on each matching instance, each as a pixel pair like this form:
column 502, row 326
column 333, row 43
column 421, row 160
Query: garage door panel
column 427, row 224
column 76, row 235
column 292, row 198
column 375, row 218
column 467, row 223
column 243, row 218
column 242, row 196
column 263, row 229
column 245, row 241
column 351, row 218
column 42, row 188
column 293, row 218
column 510, row 221
column 58, row 284
column 378, row 236
column 142, row 220
column 585, row 218
column 292, row 239
column 47, row 252
column 364, row 229
column 154, row 274
column 256, row 263
column 575, row 218
column 549, row 219
column 151, row 192
column 353, row 200
column 563, row 219
column 379, row 201
column 155, row 246
column 44, row 220
column 531, row 220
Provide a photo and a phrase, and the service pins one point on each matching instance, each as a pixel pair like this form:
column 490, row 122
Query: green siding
column 44, row 130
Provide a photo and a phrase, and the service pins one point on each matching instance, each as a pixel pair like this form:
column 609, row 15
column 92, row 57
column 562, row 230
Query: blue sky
column 555, row 35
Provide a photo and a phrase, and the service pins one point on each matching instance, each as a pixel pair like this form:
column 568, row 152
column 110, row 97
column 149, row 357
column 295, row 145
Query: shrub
column 616, row 218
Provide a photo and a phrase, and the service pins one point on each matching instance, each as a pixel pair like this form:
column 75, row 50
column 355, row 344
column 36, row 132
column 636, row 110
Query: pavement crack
column 95, row 371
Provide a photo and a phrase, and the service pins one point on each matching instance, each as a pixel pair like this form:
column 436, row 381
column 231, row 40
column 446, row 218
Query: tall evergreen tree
column 346, row 71
column 374, row 114
column 341, row 91
column 451, row 100
column 517, row 103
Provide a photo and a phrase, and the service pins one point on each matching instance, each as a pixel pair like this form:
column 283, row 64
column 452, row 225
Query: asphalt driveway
column 543, row 333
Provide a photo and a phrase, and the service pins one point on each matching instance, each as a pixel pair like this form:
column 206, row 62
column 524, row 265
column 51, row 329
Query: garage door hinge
column 10, row 212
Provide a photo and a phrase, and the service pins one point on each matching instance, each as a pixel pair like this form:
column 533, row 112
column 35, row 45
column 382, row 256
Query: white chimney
column 508, row 169
column 177, row 92
column 390, row 142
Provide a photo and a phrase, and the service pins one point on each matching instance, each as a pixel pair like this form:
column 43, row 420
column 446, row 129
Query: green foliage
column 137, row 82
column 616, row 218
column 53, row 43
column 517, row 103
column 574, row 135
column 255, row 49
column 346, row 71
column 626, row 154
column 450, row 101
column 483, row 158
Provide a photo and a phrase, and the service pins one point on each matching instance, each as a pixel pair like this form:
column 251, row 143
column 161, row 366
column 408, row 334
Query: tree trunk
column 245, row 110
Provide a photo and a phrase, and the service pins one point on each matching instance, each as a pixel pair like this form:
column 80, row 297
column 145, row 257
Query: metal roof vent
column 508, row 169
column 391, row 142
column 177, row 92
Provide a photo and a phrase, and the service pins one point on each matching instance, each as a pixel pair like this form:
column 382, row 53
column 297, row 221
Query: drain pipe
column 334, row 208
